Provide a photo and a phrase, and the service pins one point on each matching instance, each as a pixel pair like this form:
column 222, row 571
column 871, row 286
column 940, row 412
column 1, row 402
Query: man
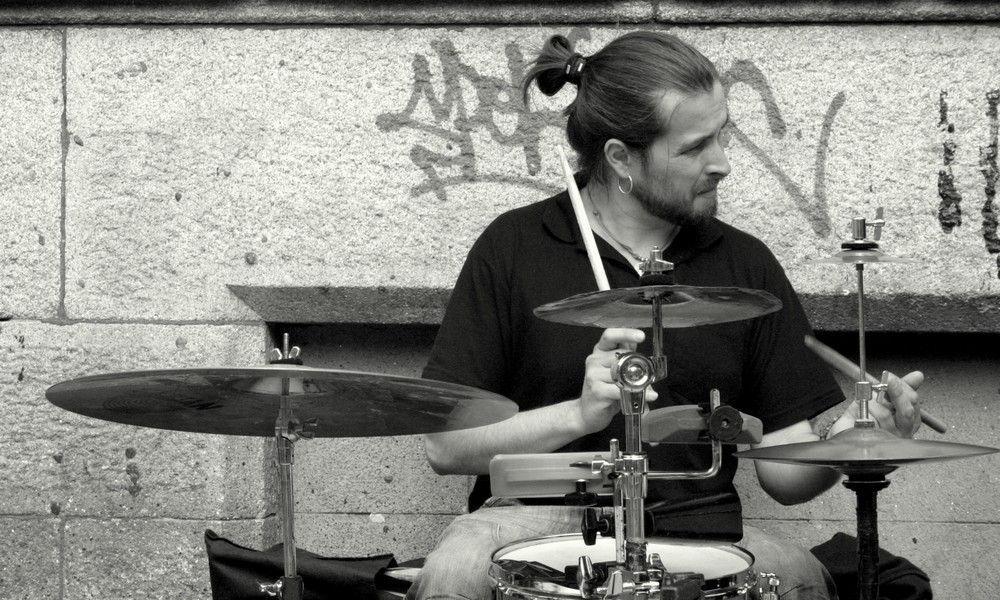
column 648, row 124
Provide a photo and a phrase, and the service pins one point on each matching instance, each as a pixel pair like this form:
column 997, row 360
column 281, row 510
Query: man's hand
column 600, row 399
column 898, row 412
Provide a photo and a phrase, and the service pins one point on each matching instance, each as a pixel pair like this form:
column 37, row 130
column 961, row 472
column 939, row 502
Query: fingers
column 903, row 403
column 600, row 398
column 609, row 347
column 902, row 391
column 617, row 339
column 914, row 379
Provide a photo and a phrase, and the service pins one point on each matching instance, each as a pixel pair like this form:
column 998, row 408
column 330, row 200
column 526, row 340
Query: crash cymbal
column 682, row 306
column 246, row 401
column 858, row 450
column 863, row 256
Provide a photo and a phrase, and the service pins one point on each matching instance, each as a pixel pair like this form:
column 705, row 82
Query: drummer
column 648, row 124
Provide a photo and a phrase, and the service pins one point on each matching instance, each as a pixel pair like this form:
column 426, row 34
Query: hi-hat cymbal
column 682, row 306
column 860, row 450
column 863, row 256
column 246, row 401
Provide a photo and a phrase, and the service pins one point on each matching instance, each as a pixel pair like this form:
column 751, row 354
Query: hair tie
column 574, row 68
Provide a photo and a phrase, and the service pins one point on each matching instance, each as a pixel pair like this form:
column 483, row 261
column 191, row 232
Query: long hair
column 619, row 89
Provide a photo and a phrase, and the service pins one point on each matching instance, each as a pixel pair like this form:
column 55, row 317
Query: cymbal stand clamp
column 859, row 232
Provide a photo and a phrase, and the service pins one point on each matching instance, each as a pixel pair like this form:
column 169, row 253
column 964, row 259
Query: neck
column 624, row 224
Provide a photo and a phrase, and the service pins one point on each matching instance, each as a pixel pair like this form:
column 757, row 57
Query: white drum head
column 714, row 561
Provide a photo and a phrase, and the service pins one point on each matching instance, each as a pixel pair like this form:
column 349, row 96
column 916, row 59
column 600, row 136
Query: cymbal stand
column 633, row 576
column 862, row 388
column 866, row 482
column 287, row 430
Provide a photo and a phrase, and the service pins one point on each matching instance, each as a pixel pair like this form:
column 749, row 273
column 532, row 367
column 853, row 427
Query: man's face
column 681, row 169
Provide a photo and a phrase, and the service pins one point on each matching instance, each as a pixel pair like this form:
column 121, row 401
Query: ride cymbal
column 682, row 306
column 246, row 401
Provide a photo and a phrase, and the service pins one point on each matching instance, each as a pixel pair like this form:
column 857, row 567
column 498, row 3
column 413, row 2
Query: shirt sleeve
column 470, row 346
column 788, row 381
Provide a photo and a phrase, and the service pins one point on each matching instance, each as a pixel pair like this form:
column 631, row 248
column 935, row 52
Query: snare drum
column 536, row 568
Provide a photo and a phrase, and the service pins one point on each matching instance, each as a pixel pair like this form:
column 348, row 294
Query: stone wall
column 179, row 184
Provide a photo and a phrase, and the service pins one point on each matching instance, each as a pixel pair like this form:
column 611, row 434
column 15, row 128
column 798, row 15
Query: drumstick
column 581, row 218
column 844, row 365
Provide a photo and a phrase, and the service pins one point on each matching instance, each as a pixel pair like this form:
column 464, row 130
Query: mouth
column 711, row 188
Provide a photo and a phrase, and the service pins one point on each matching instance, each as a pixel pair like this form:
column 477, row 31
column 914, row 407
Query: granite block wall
column 179, row 185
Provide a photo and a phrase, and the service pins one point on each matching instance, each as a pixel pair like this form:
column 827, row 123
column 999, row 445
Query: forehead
column 693, row 116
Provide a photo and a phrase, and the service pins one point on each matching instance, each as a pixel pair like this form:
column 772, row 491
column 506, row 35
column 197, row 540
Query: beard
column 665, row 204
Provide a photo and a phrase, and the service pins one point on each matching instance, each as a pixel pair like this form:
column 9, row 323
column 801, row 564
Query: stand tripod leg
column 866, row 489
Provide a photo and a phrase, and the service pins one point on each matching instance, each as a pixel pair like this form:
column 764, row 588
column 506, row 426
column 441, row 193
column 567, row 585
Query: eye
column 698, row 147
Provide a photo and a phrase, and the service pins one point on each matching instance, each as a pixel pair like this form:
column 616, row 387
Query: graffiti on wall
column 950, row 208
column 453, row 124
column 813, row 208
column 449, row 158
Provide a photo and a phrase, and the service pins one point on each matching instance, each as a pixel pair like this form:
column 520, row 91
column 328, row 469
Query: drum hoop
column 519, row 586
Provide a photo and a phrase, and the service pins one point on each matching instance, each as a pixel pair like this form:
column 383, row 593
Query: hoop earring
column 630, row 184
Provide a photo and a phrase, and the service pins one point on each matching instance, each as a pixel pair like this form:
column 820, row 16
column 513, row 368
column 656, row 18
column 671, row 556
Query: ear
column 619, row 157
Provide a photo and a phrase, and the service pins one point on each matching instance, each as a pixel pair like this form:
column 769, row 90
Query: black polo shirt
column 530, row 256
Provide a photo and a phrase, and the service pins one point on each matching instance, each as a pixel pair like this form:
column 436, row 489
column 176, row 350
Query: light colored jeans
column 458, row 568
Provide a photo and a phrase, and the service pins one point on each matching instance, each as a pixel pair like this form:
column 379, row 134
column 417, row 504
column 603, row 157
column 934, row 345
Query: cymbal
column 860, row 450
column 246, row 401
column 682, row 306
column 865, row 256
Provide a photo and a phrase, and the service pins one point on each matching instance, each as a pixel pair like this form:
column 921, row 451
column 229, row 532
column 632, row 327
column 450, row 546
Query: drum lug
column 682, row 586
column 587, row 579
column 585, row 576
column 615, row 585
column 655, row 566
column 772, row 582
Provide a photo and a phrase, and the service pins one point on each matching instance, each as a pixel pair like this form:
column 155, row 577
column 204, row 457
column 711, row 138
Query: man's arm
column 787, row 483
column 469, row 451
column 793, row 484
column 544, row 429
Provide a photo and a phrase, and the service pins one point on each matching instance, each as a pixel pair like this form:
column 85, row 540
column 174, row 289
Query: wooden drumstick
column 581, row 218
column 844, row 365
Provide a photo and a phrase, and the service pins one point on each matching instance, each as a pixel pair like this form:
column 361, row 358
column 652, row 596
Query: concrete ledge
column 501, row 13
column 387, row 305
column 905, row 313
column 327, row 304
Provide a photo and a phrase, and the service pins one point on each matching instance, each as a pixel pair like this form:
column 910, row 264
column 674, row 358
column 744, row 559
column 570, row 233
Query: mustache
column 709, row 187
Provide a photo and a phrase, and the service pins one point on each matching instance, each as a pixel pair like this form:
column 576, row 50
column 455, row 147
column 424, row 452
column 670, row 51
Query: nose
column 718, row 165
